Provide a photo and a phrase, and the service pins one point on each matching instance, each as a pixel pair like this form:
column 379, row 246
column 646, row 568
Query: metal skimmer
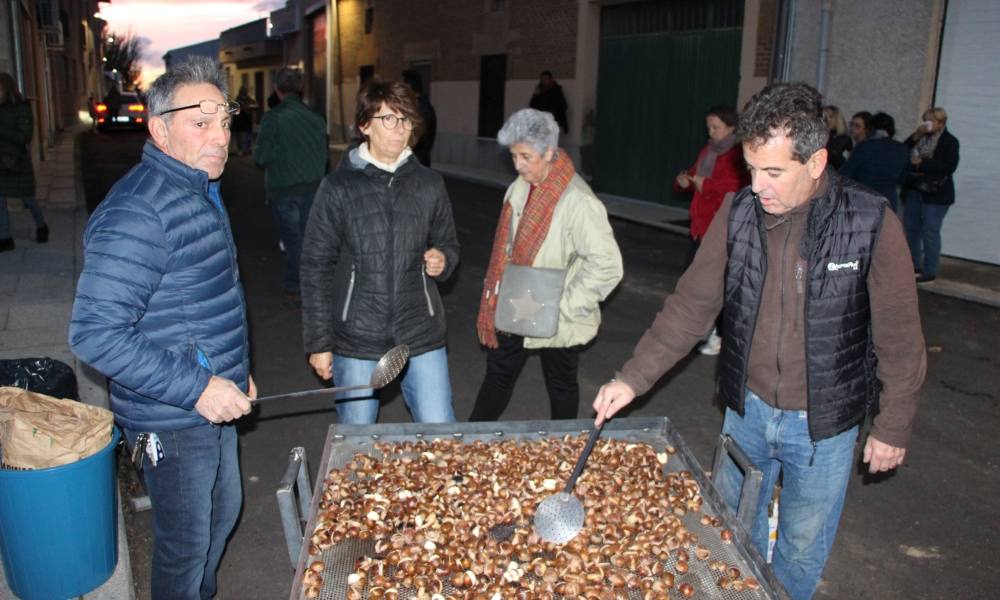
column 387, row 369
column 559, row 518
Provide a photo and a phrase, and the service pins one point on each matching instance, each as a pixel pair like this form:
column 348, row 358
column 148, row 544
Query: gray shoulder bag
column 528, row 301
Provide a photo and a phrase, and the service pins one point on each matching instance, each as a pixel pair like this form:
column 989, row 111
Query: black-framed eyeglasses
column 390, row 121
column 209, row 107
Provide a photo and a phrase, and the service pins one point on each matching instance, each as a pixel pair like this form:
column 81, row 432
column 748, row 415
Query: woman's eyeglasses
column 390, row 121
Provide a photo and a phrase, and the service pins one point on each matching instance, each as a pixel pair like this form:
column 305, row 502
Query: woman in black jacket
column 17, row 176
column 380, row 236
column 929, row 191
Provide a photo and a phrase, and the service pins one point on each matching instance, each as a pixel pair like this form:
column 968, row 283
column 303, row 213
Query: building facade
column 52, row 48
column 250, row 58
column 638, row 75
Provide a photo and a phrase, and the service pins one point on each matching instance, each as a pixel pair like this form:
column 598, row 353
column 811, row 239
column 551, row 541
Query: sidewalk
column 37, row 282
column 958, row 278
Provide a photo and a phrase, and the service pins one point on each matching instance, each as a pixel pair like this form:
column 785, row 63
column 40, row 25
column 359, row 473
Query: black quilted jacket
column 364, row 289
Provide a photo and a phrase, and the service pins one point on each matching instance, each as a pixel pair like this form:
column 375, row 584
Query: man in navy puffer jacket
column 160, row 311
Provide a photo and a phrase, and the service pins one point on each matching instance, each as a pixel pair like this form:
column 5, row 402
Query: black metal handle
column 578, row 469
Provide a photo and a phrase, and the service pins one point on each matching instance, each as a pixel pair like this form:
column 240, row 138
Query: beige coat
column 579, row 226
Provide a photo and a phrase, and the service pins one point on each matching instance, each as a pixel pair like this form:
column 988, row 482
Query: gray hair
column 195, row 70
column 288, row 81
column 530, row 126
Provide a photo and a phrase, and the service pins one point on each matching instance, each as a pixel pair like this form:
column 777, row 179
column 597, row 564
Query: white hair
column 529, row 126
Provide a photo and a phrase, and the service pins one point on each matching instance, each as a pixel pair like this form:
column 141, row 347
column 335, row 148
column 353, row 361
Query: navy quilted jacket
column 159, row 306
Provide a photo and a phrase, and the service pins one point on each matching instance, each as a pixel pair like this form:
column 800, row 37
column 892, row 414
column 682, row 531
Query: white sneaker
column 712, row 346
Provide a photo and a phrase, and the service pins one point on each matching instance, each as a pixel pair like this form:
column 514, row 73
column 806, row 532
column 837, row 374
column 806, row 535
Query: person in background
column 815, row 337
column 292, row 148
column 880, row 161
column 422, row 149
column 17, row 174
column 549, row 97
column 861, row 126
column 92, row 111
column 160, row 311
column 243, row 122
column 929, row 190
column 718, row 170
column 113, row 100
column 839, row 144
column 380, row 237
column 551, row 219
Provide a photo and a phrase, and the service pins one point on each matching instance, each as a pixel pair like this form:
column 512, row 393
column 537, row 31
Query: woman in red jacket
column 718, row 171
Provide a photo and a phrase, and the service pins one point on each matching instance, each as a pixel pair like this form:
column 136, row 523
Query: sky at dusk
column 164, row 25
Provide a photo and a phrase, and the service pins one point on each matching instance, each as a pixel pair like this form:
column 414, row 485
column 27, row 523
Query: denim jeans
column 291, row 213
column 814, row 482
column 922, row 222
column 196, row 494
column 30, row 203
column 426, row 389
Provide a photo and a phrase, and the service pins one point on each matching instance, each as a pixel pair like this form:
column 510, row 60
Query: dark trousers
column 291, row 213
column 503, row 367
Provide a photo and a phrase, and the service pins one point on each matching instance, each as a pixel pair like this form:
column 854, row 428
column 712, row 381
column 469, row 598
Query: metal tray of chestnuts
column 443, row 511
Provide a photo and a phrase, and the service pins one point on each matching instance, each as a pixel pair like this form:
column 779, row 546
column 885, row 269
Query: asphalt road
column 927, row 531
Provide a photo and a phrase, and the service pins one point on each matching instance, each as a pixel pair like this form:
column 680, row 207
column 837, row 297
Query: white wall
column 968, row 88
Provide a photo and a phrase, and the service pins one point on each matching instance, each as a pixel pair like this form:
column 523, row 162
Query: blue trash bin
column 59, row 527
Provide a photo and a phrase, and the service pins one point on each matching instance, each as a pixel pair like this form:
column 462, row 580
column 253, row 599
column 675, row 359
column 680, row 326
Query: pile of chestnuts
column 451, row 520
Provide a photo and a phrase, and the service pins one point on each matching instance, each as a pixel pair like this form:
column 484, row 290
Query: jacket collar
column 352, row 160
column 174, row 169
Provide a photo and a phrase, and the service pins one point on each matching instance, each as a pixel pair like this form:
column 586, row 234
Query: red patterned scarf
column 531, row 231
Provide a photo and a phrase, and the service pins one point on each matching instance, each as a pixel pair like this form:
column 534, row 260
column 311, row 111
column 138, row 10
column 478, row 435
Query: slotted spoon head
column 559, row 518
column 390, row 366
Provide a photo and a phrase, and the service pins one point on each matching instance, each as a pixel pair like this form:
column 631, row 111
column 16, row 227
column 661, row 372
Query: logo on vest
column 854, row 265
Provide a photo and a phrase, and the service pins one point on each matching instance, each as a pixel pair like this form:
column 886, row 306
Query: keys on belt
column 146, row 445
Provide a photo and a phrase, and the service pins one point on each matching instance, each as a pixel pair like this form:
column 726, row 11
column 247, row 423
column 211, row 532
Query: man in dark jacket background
column 809, row 300
column 549, row 97
column 160, row 311
column 879, row 161
column 292, row 147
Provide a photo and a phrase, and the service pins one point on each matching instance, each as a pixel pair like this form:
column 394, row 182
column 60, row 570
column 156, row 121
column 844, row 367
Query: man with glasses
column 292, row 147
column 160, row 311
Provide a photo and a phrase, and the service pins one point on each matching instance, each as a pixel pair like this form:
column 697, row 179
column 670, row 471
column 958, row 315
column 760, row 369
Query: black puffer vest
column 841, row 231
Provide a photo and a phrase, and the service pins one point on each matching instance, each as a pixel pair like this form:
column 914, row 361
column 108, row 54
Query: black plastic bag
column 43, row 375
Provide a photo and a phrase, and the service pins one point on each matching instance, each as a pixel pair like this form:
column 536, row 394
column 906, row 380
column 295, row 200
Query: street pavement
column 919, row 533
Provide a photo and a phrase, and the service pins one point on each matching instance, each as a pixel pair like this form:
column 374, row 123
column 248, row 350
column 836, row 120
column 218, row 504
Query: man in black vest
column 821, row 328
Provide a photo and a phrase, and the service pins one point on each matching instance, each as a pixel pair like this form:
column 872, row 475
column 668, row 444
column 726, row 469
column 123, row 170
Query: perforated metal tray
column 344, row 441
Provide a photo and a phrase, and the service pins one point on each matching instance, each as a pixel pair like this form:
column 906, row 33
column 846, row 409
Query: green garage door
column 662, row 64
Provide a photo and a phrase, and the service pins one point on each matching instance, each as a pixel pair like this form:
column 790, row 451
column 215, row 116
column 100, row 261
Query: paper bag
column 39, row 431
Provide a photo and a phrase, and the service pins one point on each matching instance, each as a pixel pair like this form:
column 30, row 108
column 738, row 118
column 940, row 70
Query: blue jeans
column 291, row 213
column 814, row 482
column 426, row 389
column 922, row 222
column 196, row 495
column 30, row 203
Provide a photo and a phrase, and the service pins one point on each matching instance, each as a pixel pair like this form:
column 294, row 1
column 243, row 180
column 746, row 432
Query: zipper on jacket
column 800, row 288
column 350, row 294
column 427, row 294
column 781, row 311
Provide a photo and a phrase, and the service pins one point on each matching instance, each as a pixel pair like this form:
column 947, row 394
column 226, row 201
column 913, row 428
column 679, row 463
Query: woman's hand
column 683, row 180
column 322, row 363
column 434, row 262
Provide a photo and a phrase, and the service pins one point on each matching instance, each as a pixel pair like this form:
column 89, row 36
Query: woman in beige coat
column 555, row 221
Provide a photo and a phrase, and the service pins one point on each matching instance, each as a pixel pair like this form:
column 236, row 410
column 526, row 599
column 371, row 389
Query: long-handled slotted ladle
column 387, row 369
column 559, row 518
